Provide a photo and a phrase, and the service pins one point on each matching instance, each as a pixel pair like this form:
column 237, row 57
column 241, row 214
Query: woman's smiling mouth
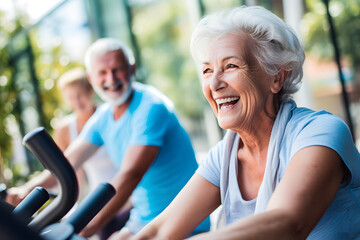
column 224, row 104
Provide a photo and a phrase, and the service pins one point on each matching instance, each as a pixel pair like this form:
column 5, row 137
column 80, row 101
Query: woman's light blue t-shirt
column 305, row 128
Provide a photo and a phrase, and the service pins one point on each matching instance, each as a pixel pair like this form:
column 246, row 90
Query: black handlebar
column 31, row 204
column 13, row 227
column 83, row 214
column 90, row 206
column 43, row 226
column 40, row 143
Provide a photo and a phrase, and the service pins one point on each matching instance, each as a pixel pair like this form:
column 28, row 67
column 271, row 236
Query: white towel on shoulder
column 272, row 162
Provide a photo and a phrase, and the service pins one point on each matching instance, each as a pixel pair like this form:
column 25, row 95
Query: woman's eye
column 230, row 65
column 207, row 70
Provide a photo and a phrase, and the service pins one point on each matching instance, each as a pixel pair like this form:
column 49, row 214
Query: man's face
column 111, row 77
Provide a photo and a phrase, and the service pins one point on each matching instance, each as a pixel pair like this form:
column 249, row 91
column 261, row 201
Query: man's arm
column 77, row 153
column 136, row 162
column 306, row 190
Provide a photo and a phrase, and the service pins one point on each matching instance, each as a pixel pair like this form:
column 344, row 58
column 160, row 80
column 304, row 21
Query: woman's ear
column 278, row 81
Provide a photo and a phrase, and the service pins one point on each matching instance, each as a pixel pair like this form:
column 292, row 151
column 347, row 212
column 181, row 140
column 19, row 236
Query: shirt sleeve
column 210, row 167
column 150, row 131
column 332, row 132
column 90, row 131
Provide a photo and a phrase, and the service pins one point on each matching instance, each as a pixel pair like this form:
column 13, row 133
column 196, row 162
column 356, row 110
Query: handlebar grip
column 3, row 191
column 40, row 143
column 13, row 227
column 31, row 203
column 90, row 206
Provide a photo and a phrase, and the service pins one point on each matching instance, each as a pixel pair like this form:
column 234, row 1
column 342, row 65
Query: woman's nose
column 217, row 81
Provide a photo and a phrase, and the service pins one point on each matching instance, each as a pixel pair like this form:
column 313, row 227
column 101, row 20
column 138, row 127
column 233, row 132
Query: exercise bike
column 19, row 223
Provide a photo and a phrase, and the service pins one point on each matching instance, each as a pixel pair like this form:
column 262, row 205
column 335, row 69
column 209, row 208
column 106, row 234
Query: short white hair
column 105, row 45
column 276, row 45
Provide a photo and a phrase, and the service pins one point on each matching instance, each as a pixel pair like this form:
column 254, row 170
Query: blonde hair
column 75, row 76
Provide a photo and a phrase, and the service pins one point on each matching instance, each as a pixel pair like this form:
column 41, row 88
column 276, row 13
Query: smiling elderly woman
column 281, row 172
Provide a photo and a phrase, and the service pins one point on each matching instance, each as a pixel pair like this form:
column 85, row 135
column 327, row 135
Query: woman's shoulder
column 62, row 136
column 223, row 147
column 64, row 122
column 62, row 130
column 306, row 118
column 307, row 128
column 310, row 124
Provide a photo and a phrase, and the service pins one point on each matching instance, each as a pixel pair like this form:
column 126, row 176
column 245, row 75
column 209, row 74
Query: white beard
column 115, row 101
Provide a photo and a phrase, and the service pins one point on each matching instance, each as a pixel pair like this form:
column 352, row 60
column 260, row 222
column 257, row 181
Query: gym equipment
column 47, row 152
column 31, row 204
column 46, row 225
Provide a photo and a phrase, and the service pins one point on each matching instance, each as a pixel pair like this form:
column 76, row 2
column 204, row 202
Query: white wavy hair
column 276, row 45
column 104, row 45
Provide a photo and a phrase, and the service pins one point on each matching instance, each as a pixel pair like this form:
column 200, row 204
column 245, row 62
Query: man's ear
column 278, row 81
